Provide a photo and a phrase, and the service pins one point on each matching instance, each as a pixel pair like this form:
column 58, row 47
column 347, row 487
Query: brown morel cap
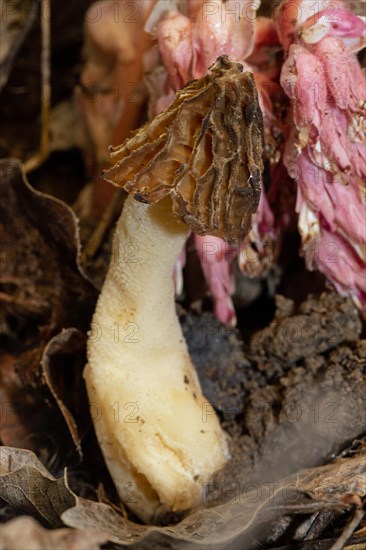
column 205, row 150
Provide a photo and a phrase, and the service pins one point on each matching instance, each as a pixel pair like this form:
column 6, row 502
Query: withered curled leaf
column 30, row 488
column 24, row 532
column 27, row 485
column 62, row 364
column 205, row 150
column 43, row 291
column 42, row 281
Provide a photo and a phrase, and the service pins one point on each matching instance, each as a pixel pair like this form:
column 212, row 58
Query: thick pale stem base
column 159, row 435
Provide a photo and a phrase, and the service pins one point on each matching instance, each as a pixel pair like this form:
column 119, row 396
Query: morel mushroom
column 195, row 166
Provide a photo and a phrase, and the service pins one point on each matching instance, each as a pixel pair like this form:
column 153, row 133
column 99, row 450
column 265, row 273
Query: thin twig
column 31, row 305
column 349, row 530
column 46, row 76
column 107, row 219
column 308, row 508
column 44, row 149
column 7, row 65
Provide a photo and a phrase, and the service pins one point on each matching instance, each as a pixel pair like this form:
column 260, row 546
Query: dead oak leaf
column 34, row 491
column 41, row 279
column 63, row 362
column 24, row 532
column 43, row 290
column 29, row 416
column 13, row 429
column 41, row 415
column 27, row 485
column 337, row 482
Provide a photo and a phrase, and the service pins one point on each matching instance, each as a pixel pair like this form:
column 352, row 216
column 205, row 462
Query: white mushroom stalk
column 163, row 436
column 160, row 437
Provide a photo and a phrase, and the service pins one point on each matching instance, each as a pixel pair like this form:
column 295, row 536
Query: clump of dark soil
column 292, row 397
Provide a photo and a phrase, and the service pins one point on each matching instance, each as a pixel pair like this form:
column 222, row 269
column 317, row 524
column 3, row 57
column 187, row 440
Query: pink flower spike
column 224, row 28
column 215, row 258
column 291, row 15
column 326, row 153
column 175, row 44
column 345, row 78
column 303, row 80
column 340, row 22
column 178, row 271
column 338, row 260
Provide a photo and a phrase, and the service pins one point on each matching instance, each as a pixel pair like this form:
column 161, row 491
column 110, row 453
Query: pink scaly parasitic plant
column 326, row 151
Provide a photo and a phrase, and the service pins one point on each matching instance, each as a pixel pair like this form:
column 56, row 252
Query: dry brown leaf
column 41, row 277
column 29, row 487
column 340, row 482
column 219, row 525
column 13, row 429
column 63, row 363
column 327, row 485
column 42, row 290
column 27, row 414
column 29, row 417
column 17, row 18
column 24, row 533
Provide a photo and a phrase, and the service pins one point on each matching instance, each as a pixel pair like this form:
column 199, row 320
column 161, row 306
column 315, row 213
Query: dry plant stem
column 46, row 76
column 104, row 194
column 349, row 530
column 35, row 161
column 165, row 439
column 27, row 304
column 105, row 223
column 7, row 65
